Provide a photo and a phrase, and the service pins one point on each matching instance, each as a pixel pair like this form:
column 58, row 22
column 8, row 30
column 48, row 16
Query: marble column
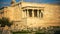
column 24, row 13
column 41, row 13
column 27, row 13
column 32, row 12
column 38, row 13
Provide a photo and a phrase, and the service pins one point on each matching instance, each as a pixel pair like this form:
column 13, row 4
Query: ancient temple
column 27, row 14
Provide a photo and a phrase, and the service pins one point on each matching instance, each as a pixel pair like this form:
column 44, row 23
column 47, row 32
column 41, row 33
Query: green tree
column 5, row 21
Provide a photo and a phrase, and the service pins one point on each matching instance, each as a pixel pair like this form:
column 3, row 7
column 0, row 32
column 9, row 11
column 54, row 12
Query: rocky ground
column 43, row 30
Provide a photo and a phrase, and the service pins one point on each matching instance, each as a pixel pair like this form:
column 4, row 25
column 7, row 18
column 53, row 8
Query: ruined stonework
column 32, row 15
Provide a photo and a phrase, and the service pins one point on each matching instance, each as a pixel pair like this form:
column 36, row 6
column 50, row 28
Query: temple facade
column 27, row 14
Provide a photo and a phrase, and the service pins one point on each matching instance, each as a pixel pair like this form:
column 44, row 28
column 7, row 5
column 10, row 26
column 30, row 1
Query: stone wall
column 51, row 15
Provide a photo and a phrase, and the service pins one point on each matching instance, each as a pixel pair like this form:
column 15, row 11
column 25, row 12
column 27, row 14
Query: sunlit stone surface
column 50, row 14
column 26, row 15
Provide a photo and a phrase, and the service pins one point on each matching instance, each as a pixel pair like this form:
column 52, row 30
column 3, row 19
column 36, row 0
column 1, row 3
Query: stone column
column 41, row 13
column 23, row 13
column 27, row 13
column 32, row 12
column 38, row 13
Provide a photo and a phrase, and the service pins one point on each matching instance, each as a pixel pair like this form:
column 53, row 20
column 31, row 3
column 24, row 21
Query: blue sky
column 7, row 2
